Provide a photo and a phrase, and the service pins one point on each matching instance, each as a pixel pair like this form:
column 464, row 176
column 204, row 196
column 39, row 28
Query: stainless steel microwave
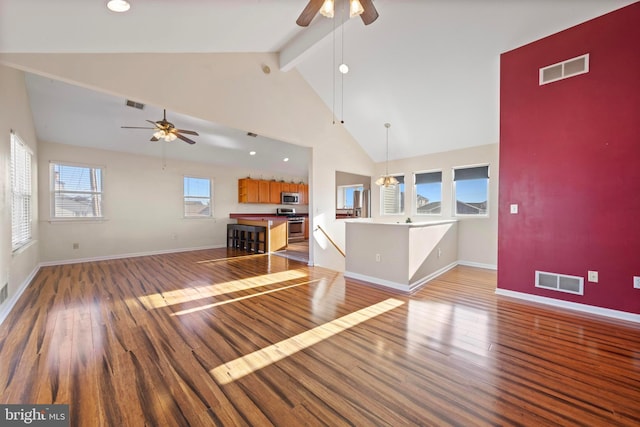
column 289, row 198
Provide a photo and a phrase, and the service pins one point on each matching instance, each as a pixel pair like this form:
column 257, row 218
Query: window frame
column 53, row 192
column 22, row 190
column 185, row 215
column 415, row 192
column 402, row 195
column 455, row 190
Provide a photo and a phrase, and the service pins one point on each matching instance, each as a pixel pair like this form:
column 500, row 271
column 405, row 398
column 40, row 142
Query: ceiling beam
column 303, row 45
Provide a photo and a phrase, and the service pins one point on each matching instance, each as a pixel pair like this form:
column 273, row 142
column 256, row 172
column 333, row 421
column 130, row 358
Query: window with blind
column 197, row 197
column 20, row 193
column 77, row 191
column 428, row 193
column 471, row 190
column 393, row 197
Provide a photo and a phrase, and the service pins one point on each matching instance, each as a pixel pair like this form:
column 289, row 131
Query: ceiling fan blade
column 154, row 139
column 188, row 132
column 370, row 13
column 184, row 138
column 134, row 127
column 153, row 123
column 309, row 12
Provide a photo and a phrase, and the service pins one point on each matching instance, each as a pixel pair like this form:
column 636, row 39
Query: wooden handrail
column 332, row 242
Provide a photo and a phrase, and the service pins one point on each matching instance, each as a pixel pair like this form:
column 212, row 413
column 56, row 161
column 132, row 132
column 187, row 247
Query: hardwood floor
column 207, row 338
column 298, row 251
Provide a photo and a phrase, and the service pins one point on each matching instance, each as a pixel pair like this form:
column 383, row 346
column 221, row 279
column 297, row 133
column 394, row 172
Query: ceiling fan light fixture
column 327, row 8
column 118, row 5
column 160, row 134
column 355, row 8
column 170, row 136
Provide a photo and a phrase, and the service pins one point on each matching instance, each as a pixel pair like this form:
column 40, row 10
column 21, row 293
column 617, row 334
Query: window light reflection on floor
column 193, row 293
column 242, row 366
column 215, row 304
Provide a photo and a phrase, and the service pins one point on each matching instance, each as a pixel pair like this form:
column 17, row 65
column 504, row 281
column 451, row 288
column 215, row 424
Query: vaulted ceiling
column 429, row 67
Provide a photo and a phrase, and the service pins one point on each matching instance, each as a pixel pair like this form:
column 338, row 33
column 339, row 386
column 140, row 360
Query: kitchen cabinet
column 275, row 188
column 248, row 191
column 263, row 191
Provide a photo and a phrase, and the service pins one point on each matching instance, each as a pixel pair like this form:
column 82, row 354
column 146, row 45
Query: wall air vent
column 134, row 104
column 565, row 69
column 560, row 282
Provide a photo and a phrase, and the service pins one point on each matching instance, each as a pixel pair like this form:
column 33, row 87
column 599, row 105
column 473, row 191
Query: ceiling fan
column 166, row 130
column 364, row 8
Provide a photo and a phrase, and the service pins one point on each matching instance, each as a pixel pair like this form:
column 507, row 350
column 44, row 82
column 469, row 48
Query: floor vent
column 560, row 282
column 4, row 293
column 134, row 104
column 565, row 69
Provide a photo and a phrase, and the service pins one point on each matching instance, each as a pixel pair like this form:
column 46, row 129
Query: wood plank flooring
column 210, row 338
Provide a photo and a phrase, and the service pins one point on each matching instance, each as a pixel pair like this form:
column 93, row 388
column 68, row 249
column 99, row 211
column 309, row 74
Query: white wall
column 142, row 203
column 16, row 268
column 477, row 237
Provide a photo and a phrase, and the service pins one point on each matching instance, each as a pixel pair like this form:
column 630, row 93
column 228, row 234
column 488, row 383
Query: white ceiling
column 430, row 67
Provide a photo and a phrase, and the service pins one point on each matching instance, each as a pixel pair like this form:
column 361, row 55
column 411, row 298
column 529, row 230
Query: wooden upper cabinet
column 248, row 190
column 275, row 188
column 262, row 191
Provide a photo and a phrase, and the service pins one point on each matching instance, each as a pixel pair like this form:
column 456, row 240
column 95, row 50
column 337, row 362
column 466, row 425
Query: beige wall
column 477, row 237
column 16, row 268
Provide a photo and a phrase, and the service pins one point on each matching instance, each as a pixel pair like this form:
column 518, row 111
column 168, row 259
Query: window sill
column 23, row 248
column 76, row 220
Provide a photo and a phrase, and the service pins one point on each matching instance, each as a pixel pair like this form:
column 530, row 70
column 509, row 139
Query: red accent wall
column 570, row 158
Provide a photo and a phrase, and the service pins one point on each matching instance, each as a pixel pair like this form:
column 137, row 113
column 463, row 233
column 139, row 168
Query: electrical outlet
column 513, row 208
column 377, row 257
column 593, row 276
column 636, row 282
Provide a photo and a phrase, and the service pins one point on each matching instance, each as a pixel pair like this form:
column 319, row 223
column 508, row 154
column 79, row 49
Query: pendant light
column 387, row 180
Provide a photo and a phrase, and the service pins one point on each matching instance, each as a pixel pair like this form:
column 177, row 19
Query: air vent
column 565, row 69
column 4, row 293
column 560, row 282
column 134, row 104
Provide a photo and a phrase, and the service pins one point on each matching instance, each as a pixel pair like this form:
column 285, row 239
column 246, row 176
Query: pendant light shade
column 387, row 180
column 355, row 8
column 327, row 9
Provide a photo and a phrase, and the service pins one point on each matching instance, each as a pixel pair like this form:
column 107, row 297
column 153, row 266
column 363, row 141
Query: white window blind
column 197, row 197
column 20, row 193
column 77, row 191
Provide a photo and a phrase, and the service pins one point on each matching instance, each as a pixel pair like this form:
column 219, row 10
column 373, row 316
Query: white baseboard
column 590, row 309
column 129, row 255
column 8, row 306
column 478, row 265
column 404, row 287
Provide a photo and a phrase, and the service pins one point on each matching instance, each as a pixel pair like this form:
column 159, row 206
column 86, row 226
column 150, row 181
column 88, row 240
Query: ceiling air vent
column 560, row 282
column 134, row 104
column 565, row 69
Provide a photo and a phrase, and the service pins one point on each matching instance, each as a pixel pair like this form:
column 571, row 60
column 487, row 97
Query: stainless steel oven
column 295, row 224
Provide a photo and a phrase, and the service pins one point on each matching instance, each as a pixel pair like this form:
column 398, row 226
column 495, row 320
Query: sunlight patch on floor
column 215, row 304
column 193, row 293
column 238, row 368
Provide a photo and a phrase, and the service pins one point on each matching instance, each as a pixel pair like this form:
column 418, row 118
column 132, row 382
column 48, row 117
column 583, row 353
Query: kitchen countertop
column 262, row 216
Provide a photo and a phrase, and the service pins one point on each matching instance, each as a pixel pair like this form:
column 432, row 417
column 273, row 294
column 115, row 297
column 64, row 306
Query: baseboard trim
column 478, row 265
column 11, row 302
column 590, row 309
column 129, row 255
column 397, row 286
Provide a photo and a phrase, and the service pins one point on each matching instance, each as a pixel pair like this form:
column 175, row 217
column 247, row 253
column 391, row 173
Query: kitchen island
column 276, row 228
column 402, row 256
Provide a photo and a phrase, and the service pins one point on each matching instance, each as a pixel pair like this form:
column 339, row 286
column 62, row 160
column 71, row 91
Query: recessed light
column 343, row 68
column 252, row 153
column 286, row 159
column 118, row 5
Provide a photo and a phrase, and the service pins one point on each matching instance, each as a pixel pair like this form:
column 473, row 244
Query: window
column 393, row 197
column 471, row 190
column 197, row 197
column 76, row 191
column 20, row 193
column 346, row 194
column 428, row 191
